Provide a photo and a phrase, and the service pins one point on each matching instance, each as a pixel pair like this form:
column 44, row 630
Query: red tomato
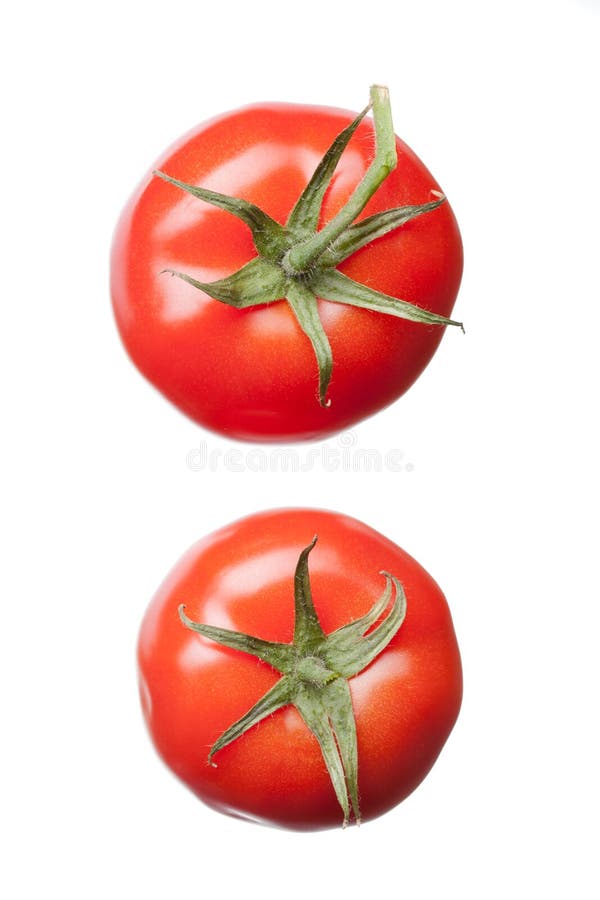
column 405, row 702
column 251, row 373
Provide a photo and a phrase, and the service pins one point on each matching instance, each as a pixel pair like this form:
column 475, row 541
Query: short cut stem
column 303, row 256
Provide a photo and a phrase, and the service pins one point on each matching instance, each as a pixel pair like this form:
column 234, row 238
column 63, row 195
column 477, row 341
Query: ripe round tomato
column 250, row 373
column 404, row 702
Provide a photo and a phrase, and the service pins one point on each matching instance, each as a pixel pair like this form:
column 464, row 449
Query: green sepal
column 304, row 218
column 346, row 636
column 280, row 656
column 258, row 282
column 367, row 230
column 268, row 235
column 304, row 304
column 338, row 703
column 279, row 696
column 333, row 285
column 348, row 653
column 312, row 706
column 308, row 634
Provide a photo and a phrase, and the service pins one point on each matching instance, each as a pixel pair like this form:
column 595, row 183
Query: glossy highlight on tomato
column 246, row 579
column 250, row 373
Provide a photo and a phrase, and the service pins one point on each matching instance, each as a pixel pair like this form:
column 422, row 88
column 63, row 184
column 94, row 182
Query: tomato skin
column 192, row 690
column 251, row 374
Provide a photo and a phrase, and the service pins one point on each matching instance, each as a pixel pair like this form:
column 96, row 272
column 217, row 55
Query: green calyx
column 298, row 263
column 315, row 669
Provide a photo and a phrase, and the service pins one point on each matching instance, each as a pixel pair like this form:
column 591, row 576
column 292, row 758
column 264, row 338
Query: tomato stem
column 301, row 257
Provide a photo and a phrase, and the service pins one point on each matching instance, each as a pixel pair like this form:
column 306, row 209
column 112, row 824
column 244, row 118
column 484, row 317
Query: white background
column 501, row 503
